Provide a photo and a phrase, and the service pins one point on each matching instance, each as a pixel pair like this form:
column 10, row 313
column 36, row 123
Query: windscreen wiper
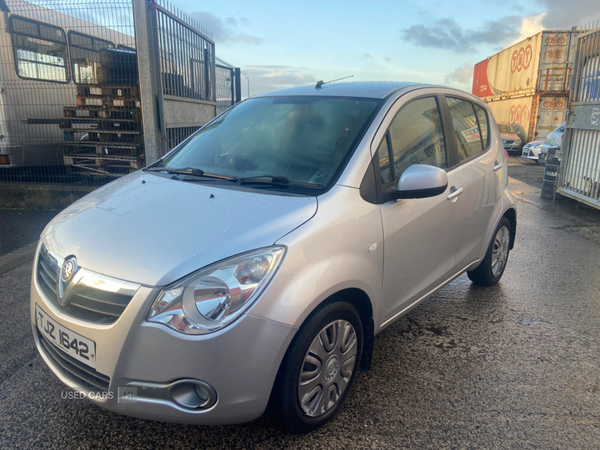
column 191, row 171
column 275, row 180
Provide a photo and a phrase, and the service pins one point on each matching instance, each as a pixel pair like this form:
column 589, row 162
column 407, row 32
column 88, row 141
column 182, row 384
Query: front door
column 420, row 235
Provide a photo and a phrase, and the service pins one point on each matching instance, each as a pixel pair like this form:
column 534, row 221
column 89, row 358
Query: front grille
column 85, row 302
column 72, row 369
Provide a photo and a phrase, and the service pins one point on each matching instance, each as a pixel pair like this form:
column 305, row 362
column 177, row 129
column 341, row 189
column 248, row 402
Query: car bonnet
column 153, row 230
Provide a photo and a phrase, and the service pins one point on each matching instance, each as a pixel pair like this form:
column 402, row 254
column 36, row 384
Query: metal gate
column 580, row 174
column 228, row 85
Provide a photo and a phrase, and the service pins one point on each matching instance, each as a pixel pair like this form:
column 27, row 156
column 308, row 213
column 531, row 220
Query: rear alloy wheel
column 489, row 272
column 318, row 369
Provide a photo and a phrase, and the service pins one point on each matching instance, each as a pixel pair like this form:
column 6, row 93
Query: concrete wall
column 185, row 112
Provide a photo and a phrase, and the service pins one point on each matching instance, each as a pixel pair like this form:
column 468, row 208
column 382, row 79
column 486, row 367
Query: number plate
column 73, row 344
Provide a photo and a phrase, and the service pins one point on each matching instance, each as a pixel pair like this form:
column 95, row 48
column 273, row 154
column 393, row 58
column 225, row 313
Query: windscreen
column 504, row 128
column 304, row 139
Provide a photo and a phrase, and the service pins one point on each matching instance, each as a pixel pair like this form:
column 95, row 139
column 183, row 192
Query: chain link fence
column 70, row 98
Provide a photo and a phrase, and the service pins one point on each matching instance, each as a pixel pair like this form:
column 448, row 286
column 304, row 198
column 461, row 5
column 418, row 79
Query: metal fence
column 70, row 98
column 69, row 101
column 580, row 172
column 187, row 55
column 228, row 85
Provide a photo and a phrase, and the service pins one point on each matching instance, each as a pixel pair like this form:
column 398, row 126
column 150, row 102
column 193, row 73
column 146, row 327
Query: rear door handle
column 454, row 193
column 497, row 166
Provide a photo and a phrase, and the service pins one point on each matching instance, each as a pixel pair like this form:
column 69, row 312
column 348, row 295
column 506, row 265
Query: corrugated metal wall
column 580, row 170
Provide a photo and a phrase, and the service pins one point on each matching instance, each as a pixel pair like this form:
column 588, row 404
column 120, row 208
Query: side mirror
column 421, row 181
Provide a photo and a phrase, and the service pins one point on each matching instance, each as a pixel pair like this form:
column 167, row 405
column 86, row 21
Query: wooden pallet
column 112, row 125
column 104, row 165
column 127, row 92
column 103, row 137
column 87, row 149
column 108, row 102
column 100, row 112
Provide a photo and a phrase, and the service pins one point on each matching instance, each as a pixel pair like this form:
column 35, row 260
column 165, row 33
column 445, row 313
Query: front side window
column 301, row 139
column 416, row 137
column 466, row 128
column 85, row 56
column 40, row 50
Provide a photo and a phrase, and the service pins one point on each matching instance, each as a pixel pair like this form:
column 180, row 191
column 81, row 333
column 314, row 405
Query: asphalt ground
column 21, row 227
column 511, row 366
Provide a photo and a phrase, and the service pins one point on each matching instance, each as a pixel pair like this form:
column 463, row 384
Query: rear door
column 481, row 169
column 420, row 235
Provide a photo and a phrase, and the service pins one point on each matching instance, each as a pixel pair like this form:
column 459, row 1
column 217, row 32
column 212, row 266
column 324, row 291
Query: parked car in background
column 554, row 140
column 532, row 150
column 254, row 264
column 510, row 138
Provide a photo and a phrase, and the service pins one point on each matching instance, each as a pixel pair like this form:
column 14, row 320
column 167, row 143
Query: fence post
column 146, row 37
column 238, row 85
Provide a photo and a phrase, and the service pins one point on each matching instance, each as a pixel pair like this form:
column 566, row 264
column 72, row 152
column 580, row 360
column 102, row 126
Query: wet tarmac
column 512, row 366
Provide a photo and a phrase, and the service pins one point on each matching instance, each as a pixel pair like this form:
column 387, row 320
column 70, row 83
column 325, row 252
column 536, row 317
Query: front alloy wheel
column 327, row 368
column 318, row 368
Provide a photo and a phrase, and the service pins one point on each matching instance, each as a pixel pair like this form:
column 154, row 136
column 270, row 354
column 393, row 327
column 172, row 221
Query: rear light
column 4, row 160
column 563, row 136
column 506, row 155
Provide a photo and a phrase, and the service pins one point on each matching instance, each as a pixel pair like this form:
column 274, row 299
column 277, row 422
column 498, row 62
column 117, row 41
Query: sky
column 279, row 44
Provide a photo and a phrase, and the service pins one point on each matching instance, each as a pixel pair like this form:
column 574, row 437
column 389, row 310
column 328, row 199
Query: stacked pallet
column 103, row 133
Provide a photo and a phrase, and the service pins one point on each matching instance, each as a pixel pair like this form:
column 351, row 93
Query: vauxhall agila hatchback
column 251, row 267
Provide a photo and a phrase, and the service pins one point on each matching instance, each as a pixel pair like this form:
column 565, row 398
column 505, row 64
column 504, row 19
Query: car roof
column 366, row 89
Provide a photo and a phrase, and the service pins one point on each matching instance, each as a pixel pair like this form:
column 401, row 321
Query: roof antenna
column 321, row 82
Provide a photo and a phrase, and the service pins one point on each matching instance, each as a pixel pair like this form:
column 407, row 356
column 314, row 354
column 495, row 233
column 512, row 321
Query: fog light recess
column 193, row 394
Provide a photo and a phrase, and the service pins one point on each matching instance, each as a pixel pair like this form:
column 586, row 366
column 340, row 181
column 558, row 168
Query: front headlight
column 215, row 296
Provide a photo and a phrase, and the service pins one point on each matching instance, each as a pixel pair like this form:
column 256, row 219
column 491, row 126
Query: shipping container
column 539, row 64
column 533, row 116
column 527, row 84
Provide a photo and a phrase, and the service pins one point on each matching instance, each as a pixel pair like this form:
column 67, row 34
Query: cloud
column 563, row 16
column 269, row 78
column 448, row 34
column 367, row 56
column 275, row 66
column 224, row 31
column 463, row 75
column 386, row 59
column 247, row 39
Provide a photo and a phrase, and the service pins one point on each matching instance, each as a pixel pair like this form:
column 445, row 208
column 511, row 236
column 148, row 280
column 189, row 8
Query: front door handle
column 497, row 166
column 454, row 193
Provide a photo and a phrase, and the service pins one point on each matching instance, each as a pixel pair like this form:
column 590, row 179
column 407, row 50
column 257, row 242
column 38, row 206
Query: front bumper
column 531, row 153
column 239, row 362
column 512, row 146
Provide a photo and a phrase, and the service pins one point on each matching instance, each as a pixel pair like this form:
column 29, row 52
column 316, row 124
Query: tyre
column 318, row 368
column 489, row 272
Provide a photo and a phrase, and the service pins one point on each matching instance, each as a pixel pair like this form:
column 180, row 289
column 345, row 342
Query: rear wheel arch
column 511, row 215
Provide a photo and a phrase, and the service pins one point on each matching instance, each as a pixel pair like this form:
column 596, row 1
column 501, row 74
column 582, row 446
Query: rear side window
column 483, row 125
column 466, row 128
column 40, row 50
column 416, row 137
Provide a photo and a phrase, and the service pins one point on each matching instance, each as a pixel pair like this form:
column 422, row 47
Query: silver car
column 532, row 150
column 252, row 266
column 510, row 138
